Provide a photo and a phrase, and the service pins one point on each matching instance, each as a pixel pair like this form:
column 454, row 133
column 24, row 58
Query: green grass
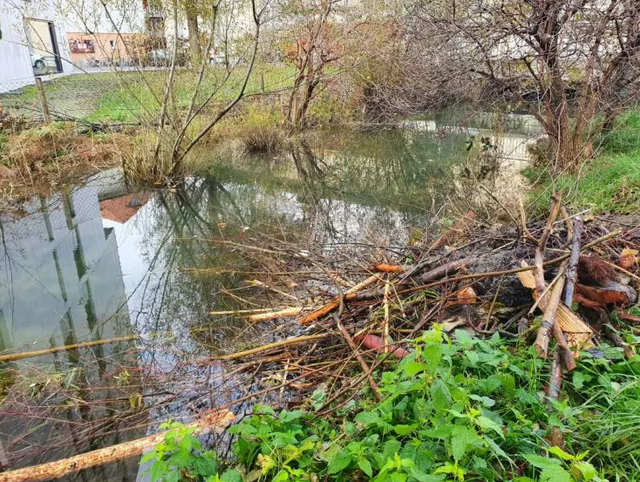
column 609, row 183
column 129, row 97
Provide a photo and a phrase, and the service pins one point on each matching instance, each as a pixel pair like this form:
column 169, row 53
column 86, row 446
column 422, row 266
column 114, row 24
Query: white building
column 33, row 42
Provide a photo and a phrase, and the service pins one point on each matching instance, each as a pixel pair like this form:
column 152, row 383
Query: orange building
column 100, row 49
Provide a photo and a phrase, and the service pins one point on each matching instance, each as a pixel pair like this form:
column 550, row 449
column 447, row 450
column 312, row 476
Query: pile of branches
column 572, row 270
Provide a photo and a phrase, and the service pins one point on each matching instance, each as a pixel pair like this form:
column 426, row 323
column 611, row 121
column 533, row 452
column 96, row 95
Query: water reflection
column 60, row 284
column 98, row 262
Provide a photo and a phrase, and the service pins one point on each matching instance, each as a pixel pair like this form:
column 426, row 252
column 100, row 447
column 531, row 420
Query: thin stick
column 446, row 268
column 546, row 290
column 218, row 419
column 539, row 254
column 365, row 368
column 622, row 270
column 270, row 346
column 240, row 312
column 86, row 344
column 572, row 271
column 541, row 344
column 385, row 322
column 566, row 217
column 335, row 303
column 555, row 378
column 271, row 315
column 491, row 195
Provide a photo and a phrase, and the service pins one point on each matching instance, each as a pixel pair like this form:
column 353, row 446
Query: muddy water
column 96, row 262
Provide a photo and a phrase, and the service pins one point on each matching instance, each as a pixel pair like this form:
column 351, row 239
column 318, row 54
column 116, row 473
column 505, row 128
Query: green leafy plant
column 180, row 456
column 454, row 410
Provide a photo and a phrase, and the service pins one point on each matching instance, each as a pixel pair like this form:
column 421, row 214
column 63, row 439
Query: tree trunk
column 194, row 34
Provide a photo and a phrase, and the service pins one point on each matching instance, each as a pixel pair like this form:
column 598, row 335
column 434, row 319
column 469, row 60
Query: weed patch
column 465, row 410
column 52, row 155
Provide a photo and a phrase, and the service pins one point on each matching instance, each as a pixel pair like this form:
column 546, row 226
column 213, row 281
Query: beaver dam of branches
column 561, row 284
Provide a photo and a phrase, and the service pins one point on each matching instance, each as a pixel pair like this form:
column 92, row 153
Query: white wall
column 45, row 10
column 15, row 60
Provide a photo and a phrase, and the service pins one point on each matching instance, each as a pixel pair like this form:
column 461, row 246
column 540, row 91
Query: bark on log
column 31, row 354
column 612, row 294
column 218, row 419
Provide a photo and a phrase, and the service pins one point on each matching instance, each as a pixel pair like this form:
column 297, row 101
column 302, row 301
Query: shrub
column 258, row 128
column 463, row 410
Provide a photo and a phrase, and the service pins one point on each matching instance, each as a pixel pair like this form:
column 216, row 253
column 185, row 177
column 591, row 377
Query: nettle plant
column 461, row 411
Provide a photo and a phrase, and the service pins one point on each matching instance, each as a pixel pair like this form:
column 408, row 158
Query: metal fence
column 94, row 97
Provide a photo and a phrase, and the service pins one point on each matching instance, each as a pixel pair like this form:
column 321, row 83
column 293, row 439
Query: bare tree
column 574, row 64
column 313, row 45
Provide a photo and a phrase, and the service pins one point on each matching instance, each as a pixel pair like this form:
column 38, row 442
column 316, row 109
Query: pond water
column 145, row 269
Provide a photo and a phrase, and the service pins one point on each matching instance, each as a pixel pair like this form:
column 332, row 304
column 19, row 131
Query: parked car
column 38, row 62
column 162, row 58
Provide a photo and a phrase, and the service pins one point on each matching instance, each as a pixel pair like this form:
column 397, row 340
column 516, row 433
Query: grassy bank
column 611, row 181
column 45, row 158
column 130, row 97
column 460, row 410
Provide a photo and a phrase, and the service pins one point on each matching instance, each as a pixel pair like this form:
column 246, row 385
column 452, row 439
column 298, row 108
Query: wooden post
column 46, row 116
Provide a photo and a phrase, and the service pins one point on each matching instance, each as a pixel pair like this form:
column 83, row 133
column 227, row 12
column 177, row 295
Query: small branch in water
column 270, row 346
column 365, row 368
column 86, row 344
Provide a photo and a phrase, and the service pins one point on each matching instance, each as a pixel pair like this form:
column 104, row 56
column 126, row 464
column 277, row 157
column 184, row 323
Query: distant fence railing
column 93, row 97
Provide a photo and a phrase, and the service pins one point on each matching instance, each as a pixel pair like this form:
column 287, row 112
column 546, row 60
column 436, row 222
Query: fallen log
column 216, row 419
column 86, row 344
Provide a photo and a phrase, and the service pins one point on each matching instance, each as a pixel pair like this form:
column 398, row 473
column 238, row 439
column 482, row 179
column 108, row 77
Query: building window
column 112, row 44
